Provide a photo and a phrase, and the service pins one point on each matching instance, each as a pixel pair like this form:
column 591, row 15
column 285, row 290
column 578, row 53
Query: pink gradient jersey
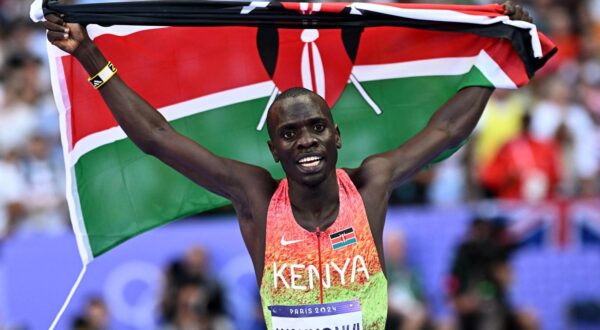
column 322, row 273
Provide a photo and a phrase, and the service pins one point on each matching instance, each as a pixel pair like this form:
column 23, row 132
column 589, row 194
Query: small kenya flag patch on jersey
column 342, row 238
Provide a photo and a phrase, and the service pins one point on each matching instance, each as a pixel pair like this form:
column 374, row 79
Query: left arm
column 447, row 128
column 379, row 174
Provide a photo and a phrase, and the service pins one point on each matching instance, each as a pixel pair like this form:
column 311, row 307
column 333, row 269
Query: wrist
column 90, row 57
column 85, row 48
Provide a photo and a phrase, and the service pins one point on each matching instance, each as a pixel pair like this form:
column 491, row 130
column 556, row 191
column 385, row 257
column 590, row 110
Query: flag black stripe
column 226, row 13
column 340, row 233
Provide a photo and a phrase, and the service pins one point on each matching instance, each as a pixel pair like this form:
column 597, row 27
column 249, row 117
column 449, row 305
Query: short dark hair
column 291, row 93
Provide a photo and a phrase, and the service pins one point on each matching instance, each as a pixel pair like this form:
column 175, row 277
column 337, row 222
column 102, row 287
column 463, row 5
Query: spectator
column 500, row 122
column 95, row 316
column 480, row 279
column 11, row 193
column 563, row 32
column 193, row 298
column 44, row 181
column 524, row 168
column 406, row 306
column 449, row 182
column 556, row 111
column 17, row 115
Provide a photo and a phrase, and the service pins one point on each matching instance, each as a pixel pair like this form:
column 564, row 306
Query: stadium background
column 546, row 261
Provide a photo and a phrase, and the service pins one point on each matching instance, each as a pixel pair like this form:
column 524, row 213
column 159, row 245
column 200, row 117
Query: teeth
column 312, row 159
column 311, row 164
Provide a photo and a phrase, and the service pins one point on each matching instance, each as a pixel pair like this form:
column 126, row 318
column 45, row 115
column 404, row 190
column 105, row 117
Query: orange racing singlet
column 323, row 279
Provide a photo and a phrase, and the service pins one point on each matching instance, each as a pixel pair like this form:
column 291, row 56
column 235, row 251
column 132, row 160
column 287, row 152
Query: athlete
column 315, row 237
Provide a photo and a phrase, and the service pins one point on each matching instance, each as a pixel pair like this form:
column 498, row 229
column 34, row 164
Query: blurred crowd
column 478, row 285
column 191, row 299
column 31, row 167
column 540, row 142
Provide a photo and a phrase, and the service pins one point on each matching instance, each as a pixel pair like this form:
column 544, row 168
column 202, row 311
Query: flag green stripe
column 342, row 244
column 124, row 192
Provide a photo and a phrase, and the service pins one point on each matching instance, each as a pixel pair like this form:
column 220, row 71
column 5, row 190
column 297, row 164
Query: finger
column 55, row 27
column 518, row 13
column 57, row 36
column 509, row 8
column 518, row 10
column 55, row 19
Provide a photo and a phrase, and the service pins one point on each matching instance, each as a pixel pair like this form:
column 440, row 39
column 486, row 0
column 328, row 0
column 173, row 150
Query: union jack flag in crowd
column 561, row 224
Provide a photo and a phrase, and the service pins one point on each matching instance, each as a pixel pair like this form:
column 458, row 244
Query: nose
column 306, row 140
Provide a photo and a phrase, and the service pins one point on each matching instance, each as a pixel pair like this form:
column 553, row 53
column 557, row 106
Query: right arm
column 151, row 132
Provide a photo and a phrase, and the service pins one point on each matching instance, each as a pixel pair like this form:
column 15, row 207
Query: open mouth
column 310, row 161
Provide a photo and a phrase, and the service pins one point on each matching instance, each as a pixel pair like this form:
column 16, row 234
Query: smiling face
column 303, row 138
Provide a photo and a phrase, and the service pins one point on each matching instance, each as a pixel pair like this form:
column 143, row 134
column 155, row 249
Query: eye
column 288, row 135
column 319, row 127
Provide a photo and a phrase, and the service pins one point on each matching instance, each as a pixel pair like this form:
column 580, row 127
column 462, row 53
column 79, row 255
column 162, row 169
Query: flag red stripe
column 547, row 44
column 507, row 58
column 337, row 240
column 167, row 66
column 562, row 234
column 380, row 46
column 329, row 7
column 174, row 75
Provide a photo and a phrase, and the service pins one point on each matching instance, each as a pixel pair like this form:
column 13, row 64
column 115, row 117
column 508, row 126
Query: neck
column 315, row 206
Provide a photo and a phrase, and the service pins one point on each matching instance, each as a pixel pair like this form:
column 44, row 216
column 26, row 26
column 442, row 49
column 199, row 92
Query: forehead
column 298, row 108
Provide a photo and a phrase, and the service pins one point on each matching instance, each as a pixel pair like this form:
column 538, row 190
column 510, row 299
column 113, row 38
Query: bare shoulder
column 373, row 173
column 256, row 188
column 256, row 181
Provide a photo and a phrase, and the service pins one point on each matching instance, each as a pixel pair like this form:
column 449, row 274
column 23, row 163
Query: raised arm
column 449, row 126
column 150, row 131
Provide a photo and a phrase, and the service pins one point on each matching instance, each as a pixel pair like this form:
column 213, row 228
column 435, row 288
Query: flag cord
column 68, row 300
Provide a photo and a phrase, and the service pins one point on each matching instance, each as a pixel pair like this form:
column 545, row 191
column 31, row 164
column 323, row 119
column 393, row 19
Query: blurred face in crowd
column 559, row 91
column 480, row 230
column 195, row 260
column 38, row 147
column 97, row 314
column 395, row 247
column 560, row 23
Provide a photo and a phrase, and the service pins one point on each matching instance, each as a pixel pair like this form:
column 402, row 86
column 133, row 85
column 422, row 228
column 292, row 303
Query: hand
column 66, row 36
column 516, row 12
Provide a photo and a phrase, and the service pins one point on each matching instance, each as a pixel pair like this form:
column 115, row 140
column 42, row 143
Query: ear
column 338, row 137
column 273, row 151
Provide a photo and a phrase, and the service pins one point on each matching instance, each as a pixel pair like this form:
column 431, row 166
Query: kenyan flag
column 384, row 69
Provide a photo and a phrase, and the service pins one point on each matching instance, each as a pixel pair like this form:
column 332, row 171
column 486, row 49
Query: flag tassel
column 68, row 300
column 364, row 94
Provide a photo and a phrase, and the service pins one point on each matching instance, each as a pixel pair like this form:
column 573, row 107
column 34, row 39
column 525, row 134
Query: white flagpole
column 68, row 300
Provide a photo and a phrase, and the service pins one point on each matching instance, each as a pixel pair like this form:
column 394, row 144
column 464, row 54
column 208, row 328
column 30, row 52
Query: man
column 315, row 238
column 525, row 168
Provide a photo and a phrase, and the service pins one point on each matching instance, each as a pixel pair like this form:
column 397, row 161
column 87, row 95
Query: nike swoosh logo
column 286, row 243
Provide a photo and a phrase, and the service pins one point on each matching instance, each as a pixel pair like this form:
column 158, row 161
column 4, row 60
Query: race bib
column 345, row 315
